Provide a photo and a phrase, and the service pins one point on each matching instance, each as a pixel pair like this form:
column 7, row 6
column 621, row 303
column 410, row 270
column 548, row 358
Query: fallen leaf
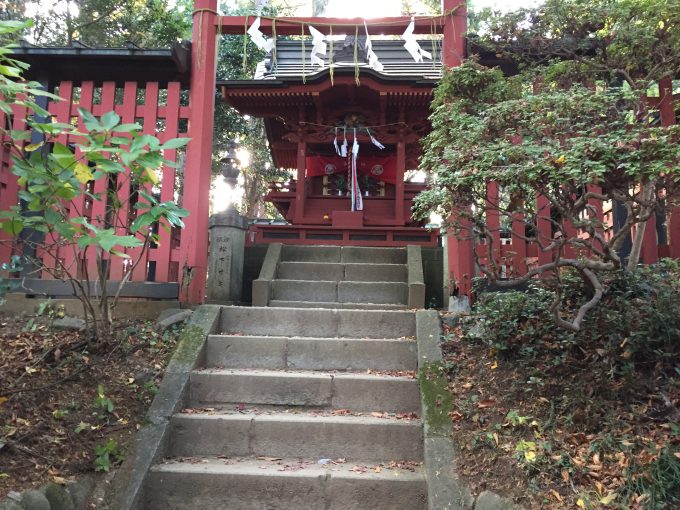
column 378, row 469
column 495, row 365
column 565, row 475
column 455, row 416
column 609, row 498
column 3, row 400
column 483, row 404
column 556, row 494
column 580, row 503
column 270, row 459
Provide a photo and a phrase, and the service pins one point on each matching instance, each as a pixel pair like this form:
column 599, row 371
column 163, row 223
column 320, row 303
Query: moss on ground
column 437, row 399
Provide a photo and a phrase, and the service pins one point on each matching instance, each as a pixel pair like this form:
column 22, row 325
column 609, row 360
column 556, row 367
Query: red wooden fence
column 160, row 112
column 515, row 255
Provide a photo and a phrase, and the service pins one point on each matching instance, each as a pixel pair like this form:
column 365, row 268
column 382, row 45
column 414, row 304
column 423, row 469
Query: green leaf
column 10, row 71
column 109, row 120
column 34, row 146
column 127, row 128
column 143, row 220
column 90, row 121
column 175, row 143
column 12, row 227
column 119, row 254
column 52, row 216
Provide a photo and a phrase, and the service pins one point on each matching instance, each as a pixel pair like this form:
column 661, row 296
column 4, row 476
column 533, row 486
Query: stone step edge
column 263, row 468
column 363, row 419
column 326, row 305
column 302, row 374
column 226, row 336
column 342, row 282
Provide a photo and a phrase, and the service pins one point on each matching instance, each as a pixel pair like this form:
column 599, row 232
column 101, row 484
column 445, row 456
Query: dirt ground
column 68, row 406
column 554, row 431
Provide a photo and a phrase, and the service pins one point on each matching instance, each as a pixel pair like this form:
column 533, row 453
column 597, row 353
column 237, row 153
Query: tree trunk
column 647, row 193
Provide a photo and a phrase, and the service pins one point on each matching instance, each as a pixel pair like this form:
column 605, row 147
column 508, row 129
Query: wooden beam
column 58, row 288
column 236, row 25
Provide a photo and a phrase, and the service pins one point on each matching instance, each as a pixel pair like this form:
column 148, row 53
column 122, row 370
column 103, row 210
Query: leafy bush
column 636, row 324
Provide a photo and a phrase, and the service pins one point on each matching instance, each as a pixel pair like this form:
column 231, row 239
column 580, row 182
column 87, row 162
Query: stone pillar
column 225, row 261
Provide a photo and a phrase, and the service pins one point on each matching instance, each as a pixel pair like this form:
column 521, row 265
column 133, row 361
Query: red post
column 300, row 189
column 453, row 50
column 194, row 242
column 399, row 190
column 461, row 259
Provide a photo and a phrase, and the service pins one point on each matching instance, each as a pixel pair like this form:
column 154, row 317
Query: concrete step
column 352, row 254
column 342, row 272
column 301, row 290
column 395, row 293
column 392, row 293
column 265, row 321
column 293, row 484
column 354, row 438
column 334, row 305
column 376, row 272
column 310, row 353
column 355, row 391
column 360, row 254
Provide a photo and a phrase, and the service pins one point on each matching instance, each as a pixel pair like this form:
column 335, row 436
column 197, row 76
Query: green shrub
column 637, row 323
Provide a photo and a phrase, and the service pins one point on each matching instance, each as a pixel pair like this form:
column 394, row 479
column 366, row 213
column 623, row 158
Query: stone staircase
column 294, row 407
column 341, row 277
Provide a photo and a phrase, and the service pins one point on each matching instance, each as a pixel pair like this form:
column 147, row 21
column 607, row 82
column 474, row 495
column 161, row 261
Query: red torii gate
column 208, row 24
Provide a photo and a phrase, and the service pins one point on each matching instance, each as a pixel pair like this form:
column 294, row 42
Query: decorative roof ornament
column 318, row 46
column 373, row 61
column 412, row 45
column 258, row 37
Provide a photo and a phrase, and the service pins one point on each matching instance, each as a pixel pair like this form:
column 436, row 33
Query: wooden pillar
column 197, row 174
column 453, row 49
column 300, row 190
column 399, row 190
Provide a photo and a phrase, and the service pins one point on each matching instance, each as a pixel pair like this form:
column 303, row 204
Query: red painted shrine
column 305, row 114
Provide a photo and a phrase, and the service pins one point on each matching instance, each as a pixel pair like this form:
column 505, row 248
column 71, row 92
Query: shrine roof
column 79, row 62
column 293, row 65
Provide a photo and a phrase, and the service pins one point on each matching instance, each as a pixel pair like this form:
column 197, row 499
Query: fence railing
column 162, row 111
